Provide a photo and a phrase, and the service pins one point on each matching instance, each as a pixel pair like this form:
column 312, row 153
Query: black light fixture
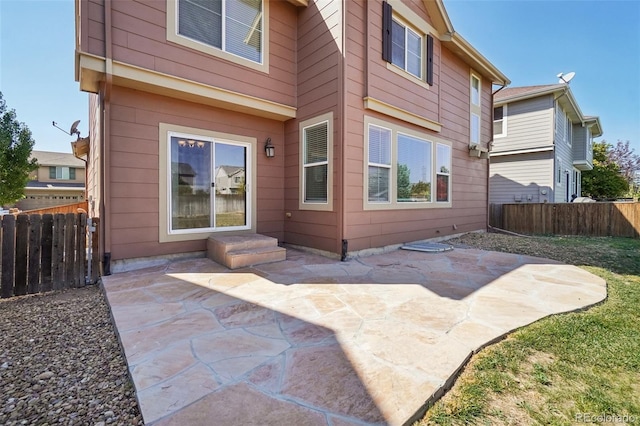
column 269, row 149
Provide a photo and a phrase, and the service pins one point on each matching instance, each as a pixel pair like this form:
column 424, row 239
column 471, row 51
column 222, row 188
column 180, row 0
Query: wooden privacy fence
column 590, row 219
column 40, row 253
column 65, row 208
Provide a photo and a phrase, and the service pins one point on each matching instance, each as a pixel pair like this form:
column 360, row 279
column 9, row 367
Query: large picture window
column 403, row 167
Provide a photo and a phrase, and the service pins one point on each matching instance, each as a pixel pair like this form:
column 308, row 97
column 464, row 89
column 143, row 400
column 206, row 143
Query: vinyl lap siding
column 564, row 156
column 519, row 176
column 530, row 124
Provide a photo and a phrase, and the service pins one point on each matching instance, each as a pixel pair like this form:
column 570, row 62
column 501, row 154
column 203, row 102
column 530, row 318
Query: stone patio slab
column 316, row 341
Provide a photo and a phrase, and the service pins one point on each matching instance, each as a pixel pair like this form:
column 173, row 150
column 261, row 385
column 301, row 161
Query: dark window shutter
column 430, row 60
column 52, row 172
column 387, row 13
column 72, row 173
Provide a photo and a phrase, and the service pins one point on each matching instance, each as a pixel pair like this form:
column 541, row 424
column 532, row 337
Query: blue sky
column 529, row 41
column 532, row 41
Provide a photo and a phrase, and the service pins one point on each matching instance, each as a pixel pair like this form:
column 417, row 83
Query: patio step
column 238, row 251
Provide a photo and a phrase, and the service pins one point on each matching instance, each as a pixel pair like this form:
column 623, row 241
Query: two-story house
column 59, row 180
column 356, row 124
column 542, row 143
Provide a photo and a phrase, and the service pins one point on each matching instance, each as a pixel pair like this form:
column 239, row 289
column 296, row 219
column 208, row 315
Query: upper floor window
column 475, row 90
column 233, row 26
column 569, row 131
column 499, row 121
column 62, row 173
column 406, row 48
column 403, row 45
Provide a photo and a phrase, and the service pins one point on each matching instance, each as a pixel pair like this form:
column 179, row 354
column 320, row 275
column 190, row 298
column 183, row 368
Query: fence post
column 95, row 252
column 8, row 255
column 81, row 249
column 22, row 239
column 46, row 253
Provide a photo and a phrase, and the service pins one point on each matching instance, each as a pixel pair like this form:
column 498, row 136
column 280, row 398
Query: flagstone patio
column 316, row 341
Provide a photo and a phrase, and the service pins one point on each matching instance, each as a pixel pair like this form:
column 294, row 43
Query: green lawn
column 579, row 368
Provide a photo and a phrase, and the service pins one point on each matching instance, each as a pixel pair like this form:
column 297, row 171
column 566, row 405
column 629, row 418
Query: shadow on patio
column 316, row 341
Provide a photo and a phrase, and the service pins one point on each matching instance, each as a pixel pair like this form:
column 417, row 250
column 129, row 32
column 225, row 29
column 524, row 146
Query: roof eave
column 461, row 47
column 527, row 95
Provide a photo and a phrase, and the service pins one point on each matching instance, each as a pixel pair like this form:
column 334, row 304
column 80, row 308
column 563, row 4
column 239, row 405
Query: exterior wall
column 529, row 125
column 139, row 37
column 447, row 101
column 564, row 158
column 94, row 165
column 582, row 149
column 134, row 169
column 520, row 177
column 319, row 28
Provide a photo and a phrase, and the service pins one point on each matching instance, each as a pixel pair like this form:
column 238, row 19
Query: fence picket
column 58, row 251
column 81, row 251
column 8, row 255
column 46, row 253
column 594, row 219
column 69, row 249
column 35, row 229
column 22, row 241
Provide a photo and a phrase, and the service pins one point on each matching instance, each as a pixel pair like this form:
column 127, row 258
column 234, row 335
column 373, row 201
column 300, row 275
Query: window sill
column 396, row 69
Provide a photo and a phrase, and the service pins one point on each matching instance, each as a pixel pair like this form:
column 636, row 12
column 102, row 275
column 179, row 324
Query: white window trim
column 504, row 122
column 471, row 78
column 392, row 204
column 164, row 187
column 569, row 131
column 175, row 37
column 302, row 205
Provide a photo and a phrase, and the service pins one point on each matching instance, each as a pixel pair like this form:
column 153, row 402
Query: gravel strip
column 60, row 362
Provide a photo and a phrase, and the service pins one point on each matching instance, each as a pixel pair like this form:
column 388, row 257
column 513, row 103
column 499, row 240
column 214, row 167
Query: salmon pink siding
column 446, row 102
column 139, row 38
column 319, row 62
column 134, row 168
column 324, row 60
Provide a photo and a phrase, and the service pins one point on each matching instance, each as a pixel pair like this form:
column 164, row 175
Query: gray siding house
column 542, row 143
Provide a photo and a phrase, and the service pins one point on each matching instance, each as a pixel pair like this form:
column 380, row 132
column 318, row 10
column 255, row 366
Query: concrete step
column 239, row 251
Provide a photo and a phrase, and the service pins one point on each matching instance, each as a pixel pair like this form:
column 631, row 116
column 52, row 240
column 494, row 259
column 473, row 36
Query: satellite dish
column 74, row 128
column 566, row 78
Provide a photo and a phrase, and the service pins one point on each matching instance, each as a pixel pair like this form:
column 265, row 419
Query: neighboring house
column 59, row 180
column 229, row 180
column 542, row 144
column 379, row 112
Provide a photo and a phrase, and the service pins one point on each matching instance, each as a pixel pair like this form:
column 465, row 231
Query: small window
column 499, row 125
column 233, row 26
column 316, row 163
column 475, row 129
column 316, row 151
column 559, row 177
column 62, row 173
column 475, row 109
column 569, row 131
column 443, row 172
column 475, row 90
column 379, row 164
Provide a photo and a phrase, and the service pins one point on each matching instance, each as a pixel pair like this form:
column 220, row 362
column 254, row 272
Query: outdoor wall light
column 269, row 149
